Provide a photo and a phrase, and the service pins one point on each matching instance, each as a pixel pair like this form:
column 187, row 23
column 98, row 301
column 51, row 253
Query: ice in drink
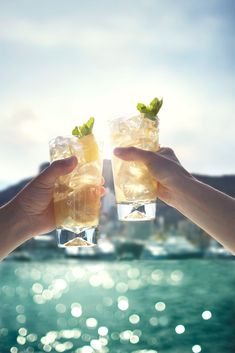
column 135, row 186
column 77, row 195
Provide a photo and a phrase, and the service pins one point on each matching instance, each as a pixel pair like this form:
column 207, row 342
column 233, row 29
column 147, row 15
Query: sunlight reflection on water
column 136, row 307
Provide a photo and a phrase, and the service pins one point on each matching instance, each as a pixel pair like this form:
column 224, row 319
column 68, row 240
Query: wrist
column 181, row 189
column 14, row 227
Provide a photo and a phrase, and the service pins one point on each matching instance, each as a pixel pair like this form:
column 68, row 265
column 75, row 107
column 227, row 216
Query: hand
column 208, row 208
column 35, row 201
column 164, row 166
column 31, row 212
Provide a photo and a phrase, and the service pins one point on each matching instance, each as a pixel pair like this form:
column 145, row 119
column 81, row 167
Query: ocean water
column 162, row 306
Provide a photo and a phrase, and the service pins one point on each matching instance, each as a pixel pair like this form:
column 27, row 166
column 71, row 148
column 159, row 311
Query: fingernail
column 70, row 160
column 117, row 151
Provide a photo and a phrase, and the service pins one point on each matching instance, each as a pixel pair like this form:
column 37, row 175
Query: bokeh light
column 196, row 348
column 180, row 329
column 160, row 306
column 206, row 315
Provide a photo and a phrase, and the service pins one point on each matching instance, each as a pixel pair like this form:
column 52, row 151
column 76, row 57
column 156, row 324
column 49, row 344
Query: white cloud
column 130, row 52
column 171, row 32
column 193, row 124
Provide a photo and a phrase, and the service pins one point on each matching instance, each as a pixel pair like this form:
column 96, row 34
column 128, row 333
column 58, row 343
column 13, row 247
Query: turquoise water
column 139, row 306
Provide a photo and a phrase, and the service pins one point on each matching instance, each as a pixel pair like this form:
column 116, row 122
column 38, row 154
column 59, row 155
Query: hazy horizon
column 4, row 184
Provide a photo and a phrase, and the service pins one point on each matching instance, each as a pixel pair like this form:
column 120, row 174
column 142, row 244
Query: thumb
column 56, row 169
column 134, row 154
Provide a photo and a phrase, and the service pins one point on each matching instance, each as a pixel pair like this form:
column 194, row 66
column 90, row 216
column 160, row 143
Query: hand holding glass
column 135, row 186
column 77, row 195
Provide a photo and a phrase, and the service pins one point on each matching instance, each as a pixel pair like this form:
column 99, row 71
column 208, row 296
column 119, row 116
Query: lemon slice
column 90, row 148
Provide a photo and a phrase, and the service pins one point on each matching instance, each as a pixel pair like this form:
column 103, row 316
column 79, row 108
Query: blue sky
column 62, row 61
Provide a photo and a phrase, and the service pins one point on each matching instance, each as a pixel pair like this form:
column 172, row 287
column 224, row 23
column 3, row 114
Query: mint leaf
column 85, row 129
column 151, row 110
column 90, row 124
column 75, row 131
column 154, row 102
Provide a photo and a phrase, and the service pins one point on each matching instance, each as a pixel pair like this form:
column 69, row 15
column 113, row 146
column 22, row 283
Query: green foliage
column 150, row 111
column 85, row 129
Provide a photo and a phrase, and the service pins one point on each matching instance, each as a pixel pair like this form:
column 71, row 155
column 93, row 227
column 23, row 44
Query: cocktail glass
column 77, row 194
column 135, row 186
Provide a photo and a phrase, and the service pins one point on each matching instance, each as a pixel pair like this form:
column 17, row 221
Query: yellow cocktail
column 77, row 195
column 135, row 187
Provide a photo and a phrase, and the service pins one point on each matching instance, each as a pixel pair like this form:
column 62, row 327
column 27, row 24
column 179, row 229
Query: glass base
column 67, row 238
column 136, row 212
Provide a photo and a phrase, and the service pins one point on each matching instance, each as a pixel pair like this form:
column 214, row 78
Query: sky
column 62, row 61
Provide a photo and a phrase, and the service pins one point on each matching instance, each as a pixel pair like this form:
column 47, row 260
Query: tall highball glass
column 77, row 195
column 135, row 186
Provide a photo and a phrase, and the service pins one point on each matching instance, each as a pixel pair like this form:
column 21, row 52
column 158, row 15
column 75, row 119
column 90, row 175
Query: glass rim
column 63, row 136
column 125, row 116
column 99, row 141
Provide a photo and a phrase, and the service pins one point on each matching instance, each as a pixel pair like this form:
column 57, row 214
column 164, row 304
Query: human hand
column 208, row 208
column 164, row 166
column 35, row 201
column 31, row 212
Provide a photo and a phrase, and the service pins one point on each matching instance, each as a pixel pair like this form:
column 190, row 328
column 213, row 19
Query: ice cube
column 60, row 148
column 136, row 182
column 92, row 169
column 134, row 131
column 84, row 203
column 135, row 122
column 77, row 150
column 123, row 130
column 89, row 173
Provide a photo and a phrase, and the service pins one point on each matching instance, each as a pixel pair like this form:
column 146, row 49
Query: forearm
column 210, row 209
column 14, row 230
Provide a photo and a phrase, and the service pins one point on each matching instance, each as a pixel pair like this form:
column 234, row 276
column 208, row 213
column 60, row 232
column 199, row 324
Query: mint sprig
column 85, row 129
column 150, row 111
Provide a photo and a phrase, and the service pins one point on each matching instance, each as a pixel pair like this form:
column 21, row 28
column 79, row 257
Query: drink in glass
column 77, row 194
column 135, row 186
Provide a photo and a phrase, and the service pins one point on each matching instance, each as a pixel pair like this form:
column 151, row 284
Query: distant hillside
column 8, row 193
column 224, row 183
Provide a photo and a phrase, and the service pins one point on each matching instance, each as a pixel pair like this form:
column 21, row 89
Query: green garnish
column 150, row 111
column 85, row 129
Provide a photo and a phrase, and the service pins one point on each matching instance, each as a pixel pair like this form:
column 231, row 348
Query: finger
column 134, row 154
column 102, row 191
column 102, row 180
column 58, row 168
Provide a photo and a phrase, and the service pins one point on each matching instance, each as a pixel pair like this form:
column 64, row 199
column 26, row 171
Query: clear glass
column 135, row 186
column 77, row 194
